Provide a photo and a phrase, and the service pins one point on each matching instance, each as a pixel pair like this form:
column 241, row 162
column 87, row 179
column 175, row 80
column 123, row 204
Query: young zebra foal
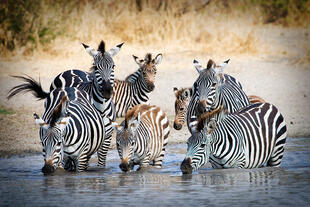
column 142, row 137
column 249, row 138
column 135, row 89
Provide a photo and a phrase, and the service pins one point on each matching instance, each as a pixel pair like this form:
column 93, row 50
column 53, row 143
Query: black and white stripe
column 250, row 138
column 142, row 137
column 135, row 89
column 99, row 85
column 213, row 89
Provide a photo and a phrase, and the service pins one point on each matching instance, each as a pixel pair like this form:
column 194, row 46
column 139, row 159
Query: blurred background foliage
column 30, row 24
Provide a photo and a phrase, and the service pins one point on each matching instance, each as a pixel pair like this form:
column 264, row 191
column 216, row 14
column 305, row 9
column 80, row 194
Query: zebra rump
column 249, row 138
column 142, row 137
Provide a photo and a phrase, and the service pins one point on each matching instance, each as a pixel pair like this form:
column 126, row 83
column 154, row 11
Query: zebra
column 142, row 137
column 136, row 87
column 71, row 129
column 98, row 84
column 249, row 138
column 212, row 89
column 182, row 98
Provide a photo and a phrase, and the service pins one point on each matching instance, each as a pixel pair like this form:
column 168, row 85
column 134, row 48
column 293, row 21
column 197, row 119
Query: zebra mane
column 101, row 47
column 148, row 58
column 134, row 76
column 133, row 112
column 59, row 111
column 210, row 64
column 207, row 116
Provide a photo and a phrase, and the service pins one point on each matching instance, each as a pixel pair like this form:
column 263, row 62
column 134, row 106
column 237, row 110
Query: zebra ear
column 139, row 62
column 186, row 93
column 92, row 52
column 158, row 59
column 211, row 126
column 40, row 121
column 116, row 126
column 198, row 66
column 115, row 49
column 175, row 89
column 134, row 124
column 220, row 68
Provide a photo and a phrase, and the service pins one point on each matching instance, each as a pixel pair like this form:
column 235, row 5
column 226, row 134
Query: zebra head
column 148, row 69
column 183, row 96
column 206, row 87
column 51, row 135
column 199, row 143
column 126, row 142
column 103, row 67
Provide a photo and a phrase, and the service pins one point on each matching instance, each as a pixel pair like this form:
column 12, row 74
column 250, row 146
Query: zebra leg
column 277, row 154
column 276, row 157
column 104, row 147
column 82, row 161
column 145, row 162
column 159, row 160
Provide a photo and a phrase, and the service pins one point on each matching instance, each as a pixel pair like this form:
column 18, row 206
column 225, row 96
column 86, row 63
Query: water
column 23, row 184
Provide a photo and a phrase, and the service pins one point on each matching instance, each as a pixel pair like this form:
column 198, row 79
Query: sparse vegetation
column 26, row 25
column 5, row 111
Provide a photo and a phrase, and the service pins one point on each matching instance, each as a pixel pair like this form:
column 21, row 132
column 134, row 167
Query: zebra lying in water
column 142, row 137
column 135, row 89
column 249, row 138
column 182, row 98
column 71, row 130
column 212, row 89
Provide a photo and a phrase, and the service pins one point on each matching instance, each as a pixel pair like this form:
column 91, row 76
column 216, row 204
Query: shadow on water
column 22, row 183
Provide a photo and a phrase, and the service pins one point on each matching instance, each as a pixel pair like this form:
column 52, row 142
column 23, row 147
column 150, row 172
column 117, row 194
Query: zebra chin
column 186, row 166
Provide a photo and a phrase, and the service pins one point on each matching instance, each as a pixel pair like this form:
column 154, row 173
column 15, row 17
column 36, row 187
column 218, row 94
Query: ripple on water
column 22, row 183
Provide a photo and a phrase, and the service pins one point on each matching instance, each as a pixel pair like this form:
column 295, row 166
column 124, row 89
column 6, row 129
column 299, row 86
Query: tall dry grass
column 210, row 26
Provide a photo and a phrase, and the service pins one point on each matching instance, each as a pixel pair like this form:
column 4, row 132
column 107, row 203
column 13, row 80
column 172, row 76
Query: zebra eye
column 182, row 108
column 202, row 145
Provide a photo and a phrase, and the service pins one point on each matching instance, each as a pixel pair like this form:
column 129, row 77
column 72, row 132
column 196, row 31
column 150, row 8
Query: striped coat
column 250, row 138
column 142, row 137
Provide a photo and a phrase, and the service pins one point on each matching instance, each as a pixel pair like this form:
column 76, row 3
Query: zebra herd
column 228, row 128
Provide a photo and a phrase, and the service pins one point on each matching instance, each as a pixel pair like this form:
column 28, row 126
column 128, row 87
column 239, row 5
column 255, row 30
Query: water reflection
column 22, row 183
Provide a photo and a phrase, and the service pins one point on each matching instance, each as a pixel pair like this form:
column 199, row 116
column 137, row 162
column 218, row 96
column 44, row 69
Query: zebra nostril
column 177, row 126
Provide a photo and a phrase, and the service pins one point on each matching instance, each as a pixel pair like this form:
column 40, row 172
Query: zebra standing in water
column 184, row 95
column 212, row 89
column 249, row 138
column 99, row 85
column 136, row 87
column 142, row 137
column 71, row 129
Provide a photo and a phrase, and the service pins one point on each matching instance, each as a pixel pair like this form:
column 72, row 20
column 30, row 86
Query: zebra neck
column 140, row 91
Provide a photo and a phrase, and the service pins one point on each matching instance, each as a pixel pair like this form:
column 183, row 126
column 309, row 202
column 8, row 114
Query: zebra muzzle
column 124, row 166
column 48, row 169
column 186, row 166
column 177, row 126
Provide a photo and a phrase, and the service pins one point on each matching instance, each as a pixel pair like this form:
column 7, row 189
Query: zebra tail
column 29, row 85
